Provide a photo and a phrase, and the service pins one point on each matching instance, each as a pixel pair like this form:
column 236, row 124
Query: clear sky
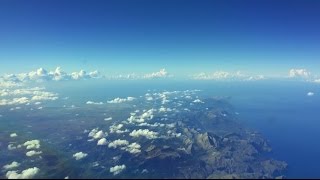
column 185, row 37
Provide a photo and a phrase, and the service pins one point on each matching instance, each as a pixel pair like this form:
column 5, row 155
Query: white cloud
column 108, row 119
column 115, row 128
column 198, row 101
column 160, row 74
column 96, row 134
column 8, row 84
column 144, row 132
column 26, row 96
column 299, row 73
column 14, row 101
column 99, row 135
column 224, row 75
column 13, row 135
column 157, row 124
column 117, row 169
column 12, row 147
column 121, row 100
column 33, row 144
column 131, row 76
column 80, row 155
column 94, row 103
column 102, row 142
column 316, row 80
column 13, row 165
column 42, row 74
column 25, row 174
column 147, row 115
column 133, row 148
column 118, row 142
column 33, row 153
column 310, row 93
column 149, row 98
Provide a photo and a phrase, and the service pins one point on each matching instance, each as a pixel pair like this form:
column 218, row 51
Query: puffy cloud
column 13, row 135
column 224, row 75
column 131, row 76
column 33, row 153
column 149, row 98
column 79, row 155
column 42, row 74
column 14, row 101
column 12, row 147
column 121, row 100
column 25, row 174
column 118, row 142
column 108, row 119
column 152, row 125
column 198, row 101
column 133, row 148
column 316, row 80
column 33, row 144
column 27, row 95
column 13, row 165
column 44, row 96
column 299, row 73
column 102, row 142
column 144, row 132
column 99, row 134
column 117, row 169
column 147, row 115
column 8, row 84
column 96, row 134
column 116, row 128
column 160, row 74
column 94, row 103
column 310, row 93
column 174, row 134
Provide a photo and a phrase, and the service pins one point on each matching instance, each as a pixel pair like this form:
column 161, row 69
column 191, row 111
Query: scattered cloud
column 12, row 147
column 156, row 75
column 144, row 132
column 25, row 174
column 310, row 93
column 94, row 103
column 108, row 119
column 299, row 73
column 42, row 74
column 96, row 134
column 133, row 148
column 13, row 135
column 198, row 101
column 33, row 153
column 162, row 73
column 33, row 144
column 224, row 75
column 117, row 169
column 13, row 165
column 117, row 143
column 121, row 100
column 115, row 128
column 146, row 115
column 102, row 142
column 26, row 96
column 79, row 155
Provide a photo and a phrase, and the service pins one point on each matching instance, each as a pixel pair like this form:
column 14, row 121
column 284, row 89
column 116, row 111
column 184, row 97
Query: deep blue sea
column 281, row 111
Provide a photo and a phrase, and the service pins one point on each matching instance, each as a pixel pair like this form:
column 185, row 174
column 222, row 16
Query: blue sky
column 185, row 37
